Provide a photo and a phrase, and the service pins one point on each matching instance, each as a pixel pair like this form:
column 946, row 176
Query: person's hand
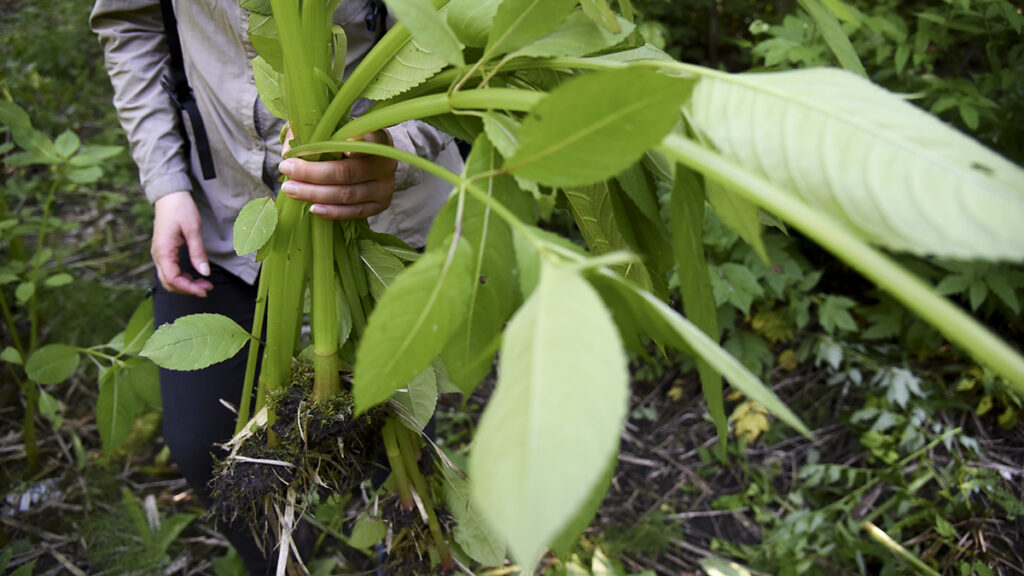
column 358, row 186
column 176, row 222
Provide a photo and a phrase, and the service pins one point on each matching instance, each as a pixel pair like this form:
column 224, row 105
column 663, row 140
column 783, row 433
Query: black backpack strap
column 376, row 17
column 175, row 83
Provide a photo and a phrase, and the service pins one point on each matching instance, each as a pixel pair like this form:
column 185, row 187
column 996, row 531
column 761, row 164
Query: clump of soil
column 317, row 447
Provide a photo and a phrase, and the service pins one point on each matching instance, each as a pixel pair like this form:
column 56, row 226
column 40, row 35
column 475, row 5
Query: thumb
column 196, row 249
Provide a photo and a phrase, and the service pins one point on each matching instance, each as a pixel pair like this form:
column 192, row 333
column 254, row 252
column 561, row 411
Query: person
column 197, row 269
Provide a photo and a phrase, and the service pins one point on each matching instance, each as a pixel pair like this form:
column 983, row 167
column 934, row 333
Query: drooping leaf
column 144, row 379
column 895, row 175
column 739, row 215
column 49, row 407
column 255, row 225
column 410, row 66
column 595, row 126
column 494, row 296
column 669, row 328
column 471, row 20
column 563, row 543
column 412, row 323
column 473, row 534
column 418, row 399
column 695, row 284
column 554, row 421
column 520, row 22
column 382, row 267
column 195, row 341
column 268, row 84
column 52, row 364
column 116, row 409
column 577, row 36
column 600, row 13
column 641, row 190
column 834, row 36
column 428, row 29
column 139, row 328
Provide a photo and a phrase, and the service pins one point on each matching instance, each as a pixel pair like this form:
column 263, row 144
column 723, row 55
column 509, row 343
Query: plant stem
column 955, row 324
column 37, row 263
column 9, row 320
column 28, row 428
column 412, row 468
column 397, row 467
column 895, row 547
column 253, row 358
column 324, row 314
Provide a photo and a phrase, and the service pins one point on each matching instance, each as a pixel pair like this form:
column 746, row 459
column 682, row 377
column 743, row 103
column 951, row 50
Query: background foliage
column 913, row 437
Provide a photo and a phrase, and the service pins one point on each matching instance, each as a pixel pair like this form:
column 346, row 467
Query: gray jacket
column 244, row 137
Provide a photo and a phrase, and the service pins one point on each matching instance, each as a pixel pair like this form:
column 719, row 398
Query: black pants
column 194, row 417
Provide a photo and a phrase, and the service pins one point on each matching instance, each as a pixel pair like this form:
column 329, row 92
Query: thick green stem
column 349, row 286
column 390, row 436
column 327, row 379
column 435, row 104
column 959, row 327
column 410, row 458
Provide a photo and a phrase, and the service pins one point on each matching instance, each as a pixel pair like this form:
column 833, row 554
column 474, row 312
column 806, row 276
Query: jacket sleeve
column 421, row 139
column 132, row 35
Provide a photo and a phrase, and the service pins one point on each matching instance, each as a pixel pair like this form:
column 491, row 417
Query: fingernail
column 203, row 268
column 316, row 209
column 286, row 166
column 288, row 188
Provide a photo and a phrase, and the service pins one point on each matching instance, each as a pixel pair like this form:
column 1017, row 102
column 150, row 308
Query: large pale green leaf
column 474, row 535
column 382, row 266
column 412, row 323
column 52, row 364
column 255, row 225
column 116, row 408
column 428, row 28
column 566, row 539
column 666, row 326
column 595, row 126
column 471, row 20
column 577, row 36
column 410, row 66
column 268, row 83
column 195, row 341
column 520, row 22
column 554, row 421
column 895, row 175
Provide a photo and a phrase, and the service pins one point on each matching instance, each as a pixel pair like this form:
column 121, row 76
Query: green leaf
column 418, row 399
column 11, row 354
column 367, row 532
column 717, row 567
column 556, row 414
column 410, row 66
column 668, row 327
column 471, row 20
column 382, row 267
column 502, row 131
column 428, row 29
column 67, row 143
column 139, row 328
column 93, row 155
column 50, row 408
column 264, row 37
column 194, row 342
column 474, row 535
column 597, row 125
column 494, row 296
column 834, row 36
column 695, row 284
column 116, row 408
column 412, row 323
column 635, row 182
column 520, row 22
column 577, row 36
column 169, row 531
column 739, row 215
column 255, row 225
column 58, row 280
column 563, row 543
column 600, row 13
column 52, row 364
column 886, row 170
column 268, row 84
column 24, row 292
column 144, row 380
column 88, row 175
column 834, row 312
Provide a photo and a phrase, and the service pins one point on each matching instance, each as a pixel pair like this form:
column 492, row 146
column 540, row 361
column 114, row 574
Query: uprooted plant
column 563, row 104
